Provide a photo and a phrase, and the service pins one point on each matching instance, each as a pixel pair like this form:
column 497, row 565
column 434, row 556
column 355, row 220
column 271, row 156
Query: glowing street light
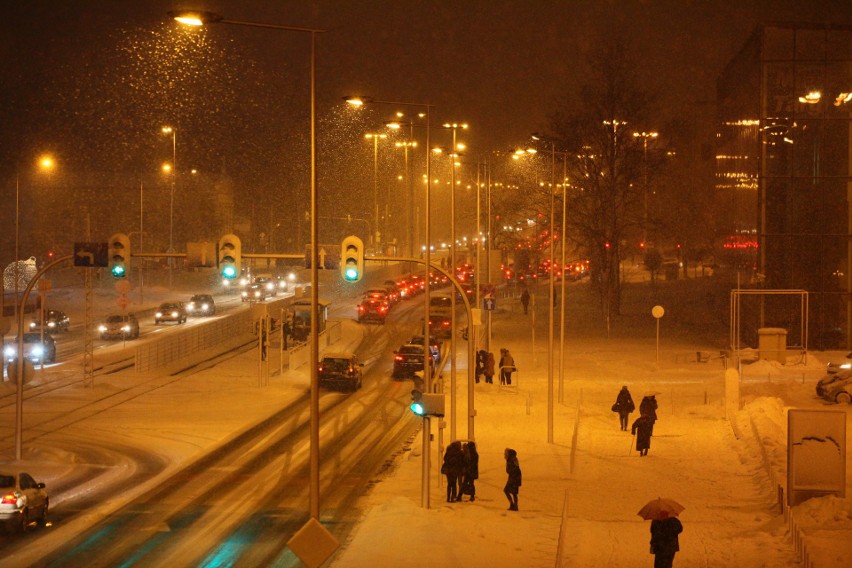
column 375, row 136
column 198, row 18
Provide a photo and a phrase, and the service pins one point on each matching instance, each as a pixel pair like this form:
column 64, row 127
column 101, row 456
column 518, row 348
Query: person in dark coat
column 507, row 367
column 513, row 483
column 453, row 468
column 648, row 407
column 525, row 300
column 664, row 543
column 481, row 355
column 488, row 369
column 624, row 406
column 471, row 470
column 642, row 428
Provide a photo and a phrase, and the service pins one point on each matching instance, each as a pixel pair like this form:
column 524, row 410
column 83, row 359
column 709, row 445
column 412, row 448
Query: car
column 22, row 500
column 255, row 293
column 374, row 310
column 119, row 326
column 36, row 348
column 341, row 371
column 836, row 386
column 170, row 311
column 434, row 348
column 407, row 360
column 54, row 320
column 201, row 305
column 378, row 294
column 441, row 304
column 440, row 326
column 270, row 284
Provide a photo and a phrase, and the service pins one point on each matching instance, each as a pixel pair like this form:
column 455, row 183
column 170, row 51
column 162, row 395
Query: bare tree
column 597, row 126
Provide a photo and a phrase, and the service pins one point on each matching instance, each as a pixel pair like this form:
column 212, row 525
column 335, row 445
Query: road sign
column 122, row 286
column 123, row 301
column 91, row 255
column 489, row 291
column 488, row 304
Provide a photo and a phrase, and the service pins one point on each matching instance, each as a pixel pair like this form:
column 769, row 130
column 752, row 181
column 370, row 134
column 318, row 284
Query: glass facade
column 784, row 155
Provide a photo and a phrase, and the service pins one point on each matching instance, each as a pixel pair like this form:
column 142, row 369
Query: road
column 241, row 503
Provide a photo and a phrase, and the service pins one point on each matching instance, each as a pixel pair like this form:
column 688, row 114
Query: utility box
column 772, row 344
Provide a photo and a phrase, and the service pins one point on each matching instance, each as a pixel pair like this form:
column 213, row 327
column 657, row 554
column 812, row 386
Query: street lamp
column 374, row 136
column 358, row 102
column 645, row 136
column 173, row 169
column 199, row 19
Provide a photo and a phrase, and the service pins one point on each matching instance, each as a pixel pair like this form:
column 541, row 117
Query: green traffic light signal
column 352, row 259
column 118, row 271
column 119, row 255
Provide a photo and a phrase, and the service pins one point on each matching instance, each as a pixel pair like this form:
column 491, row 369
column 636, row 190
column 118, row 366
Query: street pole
column 552, row 298
column 561, row 396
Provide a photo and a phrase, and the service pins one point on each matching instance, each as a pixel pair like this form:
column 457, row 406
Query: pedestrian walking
column 471, row 470
column 525, row 300
column 623, row 406
column 488, row 370
column 513, row 483
column 453, row 468
column 507, row 367
column 648, row 407
column 642, row 428
column 664, row 543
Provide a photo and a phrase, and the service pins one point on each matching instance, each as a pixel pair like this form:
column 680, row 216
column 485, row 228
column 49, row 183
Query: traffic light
column 352, row 259
column 229, row 256
column 119, row 255
column 427, row 404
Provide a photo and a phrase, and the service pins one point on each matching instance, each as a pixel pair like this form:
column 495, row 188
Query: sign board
column 816, row 454
column 123, row 301
column 488, row 304
column 44, row 285
column 489, row 291
column 313, row 543
column 91, row 255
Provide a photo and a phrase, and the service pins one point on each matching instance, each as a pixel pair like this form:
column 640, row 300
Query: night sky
column 94, row 80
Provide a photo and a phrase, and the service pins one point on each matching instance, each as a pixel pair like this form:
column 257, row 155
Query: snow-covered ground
column 580, row 494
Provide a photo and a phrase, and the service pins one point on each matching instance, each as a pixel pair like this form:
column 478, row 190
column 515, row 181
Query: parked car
column 170, row 311
column 201, row 305
column 36, row 349
column 836, row 386
column 22, row 500
column 119, row 326
column 341, row 371
column 374, row 310
column 407, row 360
column 54, row 320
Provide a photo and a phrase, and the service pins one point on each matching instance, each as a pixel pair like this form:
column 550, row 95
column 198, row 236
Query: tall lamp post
column 430, row 386
column 201, row 18
column 173, row 170
column 375, row 136
column 645, row 136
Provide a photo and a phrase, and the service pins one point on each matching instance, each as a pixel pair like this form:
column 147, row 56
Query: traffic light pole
column 19, row 374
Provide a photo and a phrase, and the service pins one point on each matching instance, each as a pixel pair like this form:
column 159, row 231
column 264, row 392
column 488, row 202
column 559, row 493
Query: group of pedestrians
column 461, row 468
column 642, row 427
column 485, row 366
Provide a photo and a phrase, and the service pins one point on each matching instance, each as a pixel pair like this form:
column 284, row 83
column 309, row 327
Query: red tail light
column 9, row 499
column 398, row 358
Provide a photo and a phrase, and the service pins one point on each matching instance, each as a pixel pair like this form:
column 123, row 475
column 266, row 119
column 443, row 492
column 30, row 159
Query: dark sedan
column 340, row 371
column 407, row 360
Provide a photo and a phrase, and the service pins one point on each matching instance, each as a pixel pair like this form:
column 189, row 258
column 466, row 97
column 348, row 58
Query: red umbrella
column 655, row 508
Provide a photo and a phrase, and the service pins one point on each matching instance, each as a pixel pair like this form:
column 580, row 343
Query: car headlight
column 190, row 308
column 37, row 351
column 158, row 315
column 102, row 328
column 270, row 286
column 257, row 293
column 9, row 351
column 205, row 307
column 33, row 324
column 174, row 314
column 846, row 366
column 226, row 282
column 51, row 324
column 125, row 329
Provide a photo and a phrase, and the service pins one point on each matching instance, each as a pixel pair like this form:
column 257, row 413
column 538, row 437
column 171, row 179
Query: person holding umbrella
column 665, row 526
